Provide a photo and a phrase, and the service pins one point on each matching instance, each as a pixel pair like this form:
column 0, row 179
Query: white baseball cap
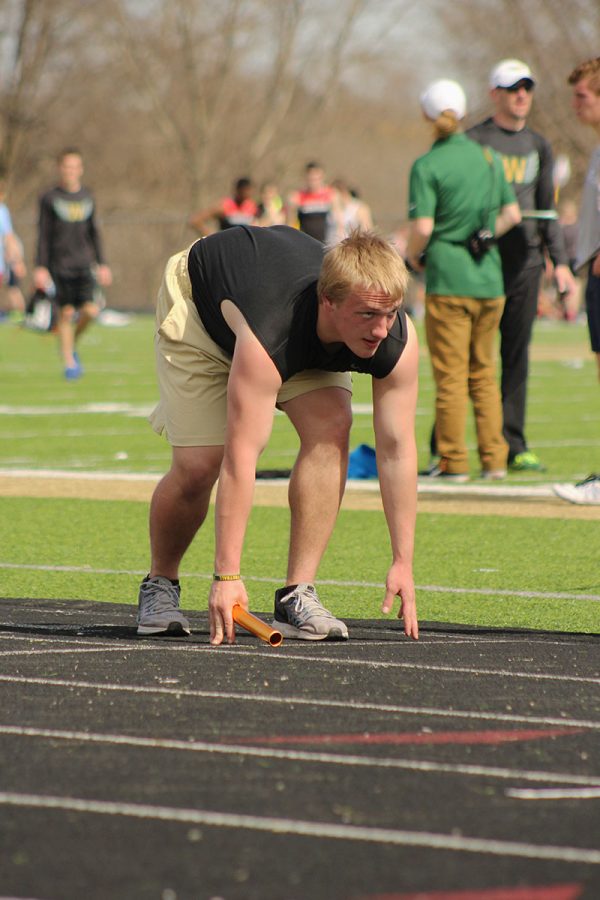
column 442, row 95
column 509, row 72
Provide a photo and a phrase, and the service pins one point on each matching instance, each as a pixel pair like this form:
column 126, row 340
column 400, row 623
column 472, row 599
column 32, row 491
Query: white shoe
column 493, row 474
column 584, row 492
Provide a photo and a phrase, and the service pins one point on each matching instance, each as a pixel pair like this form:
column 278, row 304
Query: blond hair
column 447, row 123
column 588, row 69
column 363, row 260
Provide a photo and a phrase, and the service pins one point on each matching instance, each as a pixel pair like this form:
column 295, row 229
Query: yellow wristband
column 226, row 577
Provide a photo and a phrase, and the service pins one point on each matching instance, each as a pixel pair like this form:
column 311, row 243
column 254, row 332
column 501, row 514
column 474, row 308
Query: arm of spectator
column 199, row 221
column 507, row 218
column 14, row 255
column 418, row 238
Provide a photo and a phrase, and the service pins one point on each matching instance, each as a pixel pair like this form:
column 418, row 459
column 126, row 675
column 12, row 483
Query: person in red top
column 239, row 209
column 310, row 208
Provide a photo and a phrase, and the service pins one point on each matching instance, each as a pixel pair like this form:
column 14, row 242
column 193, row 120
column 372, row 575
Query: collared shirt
column 588, row 235
column 461, row 188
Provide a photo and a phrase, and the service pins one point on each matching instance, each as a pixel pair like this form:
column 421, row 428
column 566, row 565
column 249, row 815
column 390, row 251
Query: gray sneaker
column 158, row 608
column 300, row 614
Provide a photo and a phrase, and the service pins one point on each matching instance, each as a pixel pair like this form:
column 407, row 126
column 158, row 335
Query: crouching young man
column 250, row 319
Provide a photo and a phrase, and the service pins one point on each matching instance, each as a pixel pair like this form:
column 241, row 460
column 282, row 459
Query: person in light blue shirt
column 5, row 229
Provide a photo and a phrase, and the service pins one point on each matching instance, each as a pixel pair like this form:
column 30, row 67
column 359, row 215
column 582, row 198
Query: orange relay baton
column 256, row 626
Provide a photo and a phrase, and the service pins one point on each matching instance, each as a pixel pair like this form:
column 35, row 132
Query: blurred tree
column 551, row 36
column 39, row 42
column 234, row 83
column 170, row 100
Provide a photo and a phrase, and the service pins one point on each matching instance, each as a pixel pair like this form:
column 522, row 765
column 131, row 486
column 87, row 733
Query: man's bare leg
column 87, row 314
column 64, row 332
column 322, row 419
column 180, row 504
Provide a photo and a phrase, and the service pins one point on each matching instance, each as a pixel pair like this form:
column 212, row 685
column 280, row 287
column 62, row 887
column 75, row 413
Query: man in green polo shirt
column 459, row 199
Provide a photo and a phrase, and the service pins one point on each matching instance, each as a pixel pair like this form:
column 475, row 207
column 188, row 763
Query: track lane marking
column 56, row 632
column 413, row 738
column 303, row 701
column 136, row 644
column 591, row 793
column 299, row 827
column 306, row 756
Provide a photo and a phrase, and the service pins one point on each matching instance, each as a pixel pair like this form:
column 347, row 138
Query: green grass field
column 488, row 570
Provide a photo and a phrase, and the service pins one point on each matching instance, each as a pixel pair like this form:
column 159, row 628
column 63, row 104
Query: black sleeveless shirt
column 270, row 275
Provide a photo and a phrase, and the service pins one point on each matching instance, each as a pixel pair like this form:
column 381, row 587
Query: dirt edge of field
column 275, row 494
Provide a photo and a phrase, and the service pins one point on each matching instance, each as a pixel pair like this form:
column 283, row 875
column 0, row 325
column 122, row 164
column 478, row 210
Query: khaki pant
column 462, row 338
column 193, row 370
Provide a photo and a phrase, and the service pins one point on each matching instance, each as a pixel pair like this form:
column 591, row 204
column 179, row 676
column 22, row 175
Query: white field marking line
column 432, row 637
column 128, row 409
column 377, row 664
column 83, row 475
column 337, row 759
column 331, row 830
column 98, row 646
column 304, row 701
column 60, row 652
column 591, row 793
column 365, row 485
column 64, row 639
column 432, row 588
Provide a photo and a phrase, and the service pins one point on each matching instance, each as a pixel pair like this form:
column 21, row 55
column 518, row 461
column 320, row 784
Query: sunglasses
column 526, row 85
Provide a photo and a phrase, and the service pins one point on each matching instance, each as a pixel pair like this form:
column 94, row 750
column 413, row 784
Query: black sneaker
column 300, row 614
column 434, row 471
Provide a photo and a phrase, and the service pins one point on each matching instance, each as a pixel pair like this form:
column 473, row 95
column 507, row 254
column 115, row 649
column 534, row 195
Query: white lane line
column 97, row 647
column 331, row 830
column 20, row 633
column 128, row 409
column 289, row 755
column 378, row 664
column 60, row 652
column 292, row 700
column 431, row 588
column 60, row 639
column 591, row 793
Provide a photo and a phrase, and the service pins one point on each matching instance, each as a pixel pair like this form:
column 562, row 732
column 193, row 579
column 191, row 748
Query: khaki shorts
column 193, row 371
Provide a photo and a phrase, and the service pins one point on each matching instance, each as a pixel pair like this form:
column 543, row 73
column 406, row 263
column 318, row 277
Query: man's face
column 363, row 320
column 514, row 102
column 586, row 103
column 70, row 171
column 314, row 178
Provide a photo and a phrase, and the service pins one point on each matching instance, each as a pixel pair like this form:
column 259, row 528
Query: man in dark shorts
column 250, row 319
column 70, row 256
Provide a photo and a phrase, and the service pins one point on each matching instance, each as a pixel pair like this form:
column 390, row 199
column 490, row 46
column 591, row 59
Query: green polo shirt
column 461, row 188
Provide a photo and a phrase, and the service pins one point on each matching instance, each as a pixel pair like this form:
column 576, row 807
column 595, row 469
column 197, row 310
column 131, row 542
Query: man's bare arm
column 394, row 409
column 252, row 392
